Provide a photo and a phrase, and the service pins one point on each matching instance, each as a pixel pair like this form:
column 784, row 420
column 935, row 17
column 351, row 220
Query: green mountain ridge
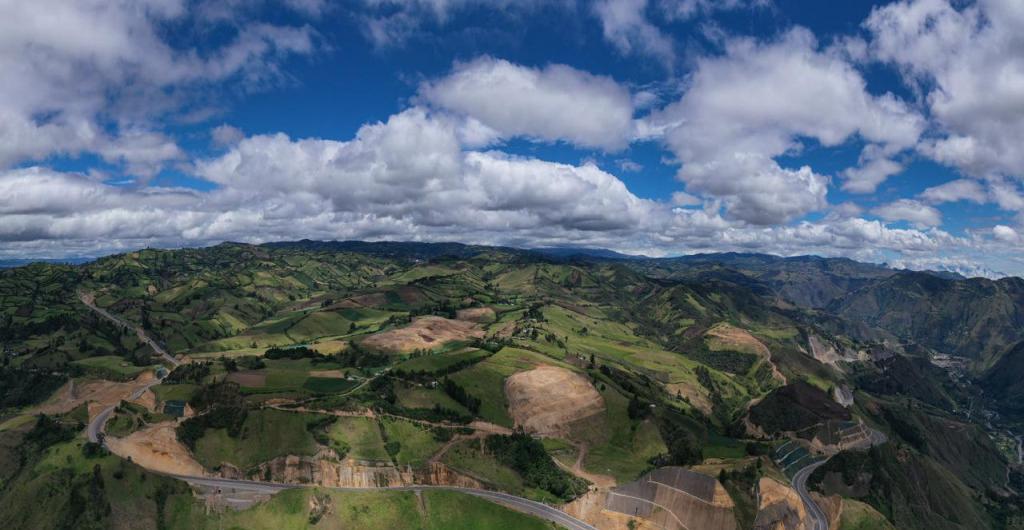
column 698, row 361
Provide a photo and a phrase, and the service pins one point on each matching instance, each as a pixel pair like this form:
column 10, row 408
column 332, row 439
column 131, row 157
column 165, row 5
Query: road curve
column 95, row 427
column 819, row 521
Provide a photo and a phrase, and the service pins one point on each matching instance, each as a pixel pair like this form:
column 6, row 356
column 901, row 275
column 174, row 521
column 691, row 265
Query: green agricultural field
column 722, row 447
column 111, row 367
column 438, row 362
column 17, row 422
column 417, row 397
column 182, row 392
column 283, row 376
column 621, row 447
column 318, row 324
column 857, row 515
column 417, row 443
column 266, row 434
column 361, row 436
column 328, row 385
column 467, row 457
column 382, row 510
column 614, row 342
column 486, row 380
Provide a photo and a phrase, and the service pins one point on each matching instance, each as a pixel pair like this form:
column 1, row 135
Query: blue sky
column 882, row 131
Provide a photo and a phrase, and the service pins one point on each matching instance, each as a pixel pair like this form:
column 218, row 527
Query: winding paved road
column 89, row 300
column 819, row 521
column 95, row 427
column 518, row 504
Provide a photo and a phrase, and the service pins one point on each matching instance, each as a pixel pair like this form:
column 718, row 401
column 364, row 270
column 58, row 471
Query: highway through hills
column 519, row 504
column 89, row 300
column 819, row 521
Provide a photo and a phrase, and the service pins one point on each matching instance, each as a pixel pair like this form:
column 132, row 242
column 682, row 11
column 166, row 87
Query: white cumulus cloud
column 553, row 103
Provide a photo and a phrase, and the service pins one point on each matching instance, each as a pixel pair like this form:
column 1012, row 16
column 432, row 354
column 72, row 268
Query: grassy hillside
column 682, row 353
column 331, row 510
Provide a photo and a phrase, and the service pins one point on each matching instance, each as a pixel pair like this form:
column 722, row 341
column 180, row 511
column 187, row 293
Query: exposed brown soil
column 506, row 330
column 780, row 508
column 547, row 400
column 100, row 392
column 674, row 498
column 147, row 399
column 425, row 332
column 590, row 508
column 156, row 448
column 824, row 352
column 476, row 314
column 324, row 469
column 831, row 505
column 249, row 378
column 727, row 337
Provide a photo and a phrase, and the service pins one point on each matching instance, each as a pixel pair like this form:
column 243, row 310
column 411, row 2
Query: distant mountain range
column 10, row 263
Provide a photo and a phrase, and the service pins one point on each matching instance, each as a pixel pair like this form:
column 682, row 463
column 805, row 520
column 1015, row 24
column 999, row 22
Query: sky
column 888, row 132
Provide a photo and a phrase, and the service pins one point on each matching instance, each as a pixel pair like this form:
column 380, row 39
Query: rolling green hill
column 392, row 354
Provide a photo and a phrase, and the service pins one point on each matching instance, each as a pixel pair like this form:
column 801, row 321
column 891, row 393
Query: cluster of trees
column 27, row 387
column 23, row 330
column 87, row 505
column 638, row 409
column 528, row 457
column 446, row 309
column 48, row 431
column 491, row 344
column 683, row 437
column 223, row 407
column 293, row 353
column 444, row 370
column 359, row 357
column 460, row 395
column 189, row 373
column 246, row 362
column 354, row 355
column 730, row 361
column 535, row 313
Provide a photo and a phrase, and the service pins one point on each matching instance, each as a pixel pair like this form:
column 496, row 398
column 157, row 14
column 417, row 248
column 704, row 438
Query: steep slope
column 1004, row 384
column 976, row 319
